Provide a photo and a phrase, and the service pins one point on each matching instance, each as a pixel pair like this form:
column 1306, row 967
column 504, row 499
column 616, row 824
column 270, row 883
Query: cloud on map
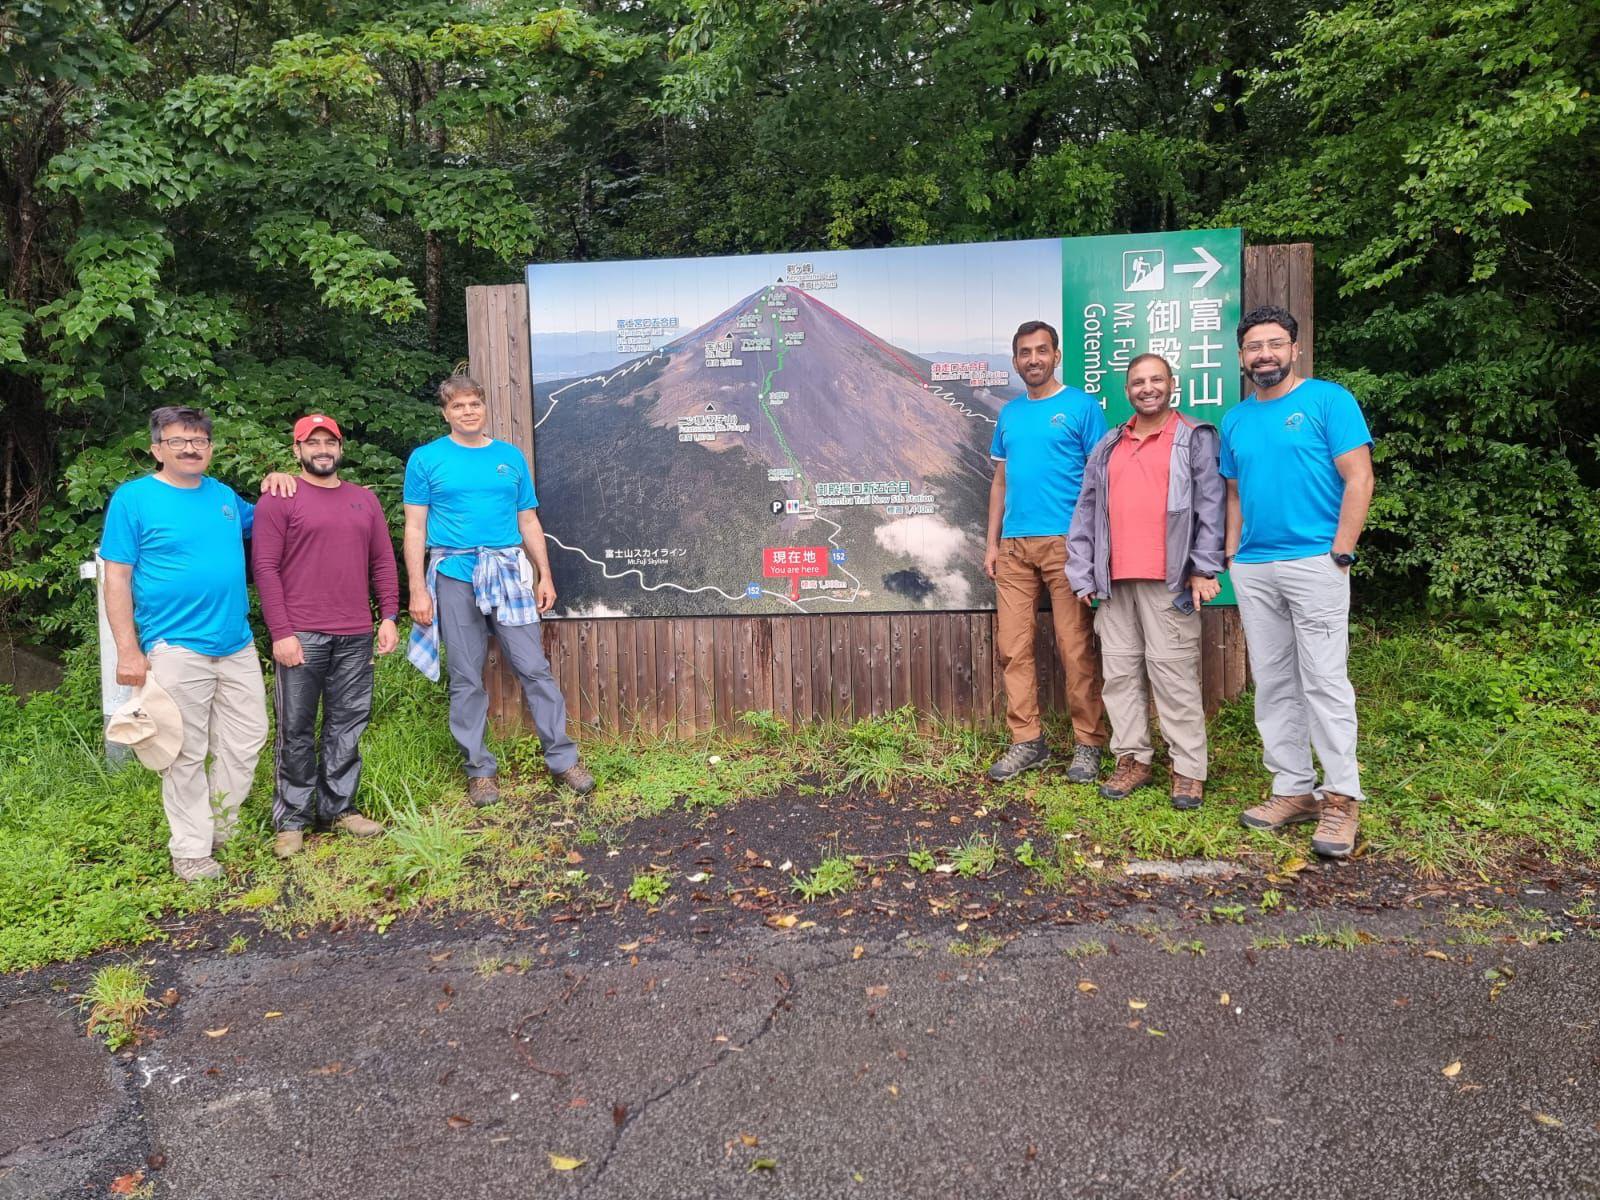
column 934, row 546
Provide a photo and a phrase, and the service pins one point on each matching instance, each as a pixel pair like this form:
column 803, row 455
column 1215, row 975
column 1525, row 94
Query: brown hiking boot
column 576, row 778
column 1280, row 811
column 483, row 790
column 1336, row 831
column 1187, row 793
column 289, row 842
column 356, row 825
column 1129, row 777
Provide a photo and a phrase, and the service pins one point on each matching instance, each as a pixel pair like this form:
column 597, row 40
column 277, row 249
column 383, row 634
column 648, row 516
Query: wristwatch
column 1344, row 560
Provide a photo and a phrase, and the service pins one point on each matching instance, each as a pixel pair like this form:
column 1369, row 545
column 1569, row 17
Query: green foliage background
column 271, row 206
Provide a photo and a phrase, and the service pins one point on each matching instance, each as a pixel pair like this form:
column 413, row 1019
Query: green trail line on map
column 766, row 388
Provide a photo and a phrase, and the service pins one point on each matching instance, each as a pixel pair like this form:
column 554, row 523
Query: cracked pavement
column 801, row 1063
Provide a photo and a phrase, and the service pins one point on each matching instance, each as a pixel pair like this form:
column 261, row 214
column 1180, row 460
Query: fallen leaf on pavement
column 169, row 997
column 628, row 947
column 1547, row 1119
column 878, row 991
column 1452, row 1070
column 1439, row 954
column 216, row 1032
column 786, row 865
column 1138, row 1005
column 961, row 928
column 764, row 1164
column 1154, row 1032
column 698, row 877
column 619, row 1115
column 750, row 1140
column 270, row 1015
column 1224, row 999
column 560, row 1162
column 458, row 1122
column 127, row 1185
column 332, row 1068
column 857, row 952
column 1087, row 988
column 787, row 921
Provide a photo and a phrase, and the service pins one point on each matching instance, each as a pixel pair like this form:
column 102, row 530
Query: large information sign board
column 810, row 432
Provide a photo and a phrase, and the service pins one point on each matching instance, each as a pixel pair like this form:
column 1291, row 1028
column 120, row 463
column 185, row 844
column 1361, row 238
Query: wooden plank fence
column 683, row 677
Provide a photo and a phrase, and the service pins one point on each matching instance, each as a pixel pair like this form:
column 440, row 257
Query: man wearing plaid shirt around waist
column 471, row 531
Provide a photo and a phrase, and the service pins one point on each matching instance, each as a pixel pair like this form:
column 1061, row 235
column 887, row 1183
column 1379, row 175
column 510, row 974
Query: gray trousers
column 464, row 632
column 1296, row 616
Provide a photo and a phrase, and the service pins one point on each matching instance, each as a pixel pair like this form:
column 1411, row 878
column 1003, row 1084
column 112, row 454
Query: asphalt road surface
column 1096, row 1062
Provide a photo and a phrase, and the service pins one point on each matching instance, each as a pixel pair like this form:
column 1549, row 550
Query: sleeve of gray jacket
column 1210, row 502
column 1080, row 536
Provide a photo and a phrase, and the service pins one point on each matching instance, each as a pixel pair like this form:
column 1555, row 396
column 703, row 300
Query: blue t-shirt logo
column 227, row 512
column 1294, row 420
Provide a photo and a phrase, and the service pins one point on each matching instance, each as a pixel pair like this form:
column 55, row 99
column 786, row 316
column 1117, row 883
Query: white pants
column 224, row 707
column 1296, row 616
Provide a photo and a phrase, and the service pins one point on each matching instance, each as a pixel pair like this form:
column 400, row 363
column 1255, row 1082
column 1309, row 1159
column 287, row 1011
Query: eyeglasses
column 197, row 443
column 1256, row 347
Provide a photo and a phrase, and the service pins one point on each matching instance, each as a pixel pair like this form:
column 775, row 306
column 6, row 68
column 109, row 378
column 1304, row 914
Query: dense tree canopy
column 265, row 206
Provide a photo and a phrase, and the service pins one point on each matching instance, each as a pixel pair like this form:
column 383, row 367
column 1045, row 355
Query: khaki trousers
column 1024, row 564
column 224, row 707
column 1143, row 636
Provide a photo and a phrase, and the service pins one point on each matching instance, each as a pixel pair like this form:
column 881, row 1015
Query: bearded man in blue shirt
column 1297, row 457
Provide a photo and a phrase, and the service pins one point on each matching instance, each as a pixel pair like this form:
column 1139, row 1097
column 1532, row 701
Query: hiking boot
column 1280, row 811
column 1187, row 793
column 1129, row 777
column 195, row 870
column 1085, row 766
column 289, row 842
column 483, row 790
column 356, row 825
column 1020, row 757
column 1335, row 836
column 575, row 778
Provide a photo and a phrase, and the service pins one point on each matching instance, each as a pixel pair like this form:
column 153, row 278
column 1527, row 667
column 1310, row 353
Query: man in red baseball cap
column 321, row 557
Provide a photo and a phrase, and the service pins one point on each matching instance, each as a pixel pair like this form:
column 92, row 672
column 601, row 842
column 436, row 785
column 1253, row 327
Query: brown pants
column 1143, row 637
column 1024, row 564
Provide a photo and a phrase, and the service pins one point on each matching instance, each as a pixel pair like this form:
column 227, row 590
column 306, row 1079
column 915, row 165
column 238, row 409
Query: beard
column 1269, row 377
column 324, row 468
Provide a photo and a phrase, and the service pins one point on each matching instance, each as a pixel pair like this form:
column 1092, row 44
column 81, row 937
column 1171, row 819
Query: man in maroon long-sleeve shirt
column 320, row 557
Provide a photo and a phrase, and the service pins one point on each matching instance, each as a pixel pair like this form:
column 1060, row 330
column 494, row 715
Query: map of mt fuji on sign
column 680, row 481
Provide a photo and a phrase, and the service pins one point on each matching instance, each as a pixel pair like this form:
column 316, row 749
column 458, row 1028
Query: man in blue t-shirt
column 1041, row 442
column 477, row 564
column 1297, row 456
column 176, row 603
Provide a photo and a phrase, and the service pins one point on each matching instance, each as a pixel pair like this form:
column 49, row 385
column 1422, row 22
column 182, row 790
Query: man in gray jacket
column 1146, row 539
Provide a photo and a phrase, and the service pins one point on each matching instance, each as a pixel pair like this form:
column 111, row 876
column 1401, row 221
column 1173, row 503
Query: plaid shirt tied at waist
column 502, row 584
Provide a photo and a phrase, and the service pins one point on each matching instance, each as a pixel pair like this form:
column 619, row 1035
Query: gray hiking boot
column 1022, row 756
column 1085, row 766
column 195, row 870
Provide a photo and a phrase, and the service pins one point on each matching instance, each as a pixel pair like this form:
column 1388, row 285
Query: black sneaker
column 1022, row 756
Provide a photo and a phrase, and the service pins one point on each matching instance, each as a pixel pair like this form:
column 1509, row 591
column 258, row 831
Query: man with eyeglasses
column 321, row 557
column 175, row 599
column 1297, row 457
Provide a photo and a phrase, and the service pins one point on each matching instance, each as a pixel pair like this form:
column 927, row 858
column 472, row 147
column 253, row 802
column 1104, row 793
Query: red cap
column 305, row 426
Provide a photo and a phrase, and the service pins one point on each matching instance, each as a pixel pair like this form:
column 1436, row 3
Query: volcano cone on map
column 671, row 461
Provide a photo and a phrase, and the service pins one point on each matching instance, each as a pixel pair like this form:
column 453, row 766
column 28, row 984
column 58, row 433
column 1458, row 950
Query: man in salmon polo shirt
column 321, row 557
column 1041, row 441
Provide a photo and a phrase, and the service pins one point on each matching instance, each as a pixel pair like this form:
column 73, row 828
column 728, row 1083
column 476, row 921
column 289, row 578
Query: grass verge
column 1475, row 744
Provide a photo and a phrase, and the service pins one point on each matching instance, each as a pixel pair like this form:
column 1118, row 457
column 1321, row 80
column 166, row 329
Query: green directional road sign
column 1173, row 294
